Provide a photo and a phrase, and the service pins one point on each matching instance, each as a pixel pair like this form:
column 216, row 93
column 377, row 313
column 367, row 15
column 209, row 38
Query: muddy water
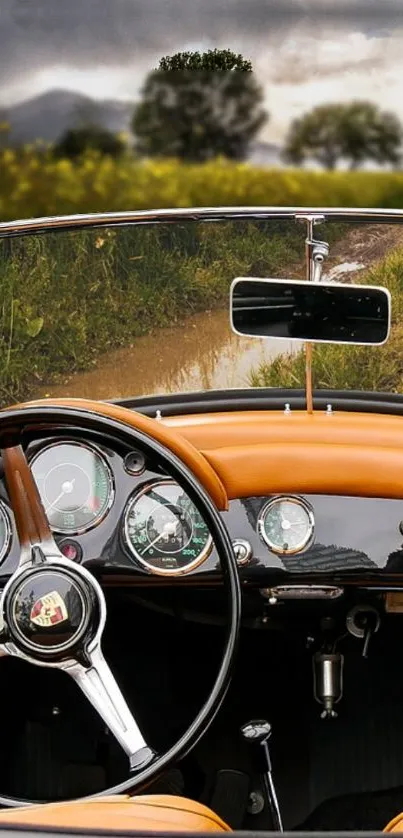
column 200, row 353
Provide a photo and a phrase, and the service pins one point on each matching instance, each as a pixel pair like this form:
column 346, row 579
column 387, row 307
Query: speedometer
column 164, row 531
column 75, row 484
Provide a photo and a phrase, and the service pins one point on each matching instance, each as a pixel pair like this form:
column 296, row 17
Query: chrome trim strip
column 195, row 214
column 302, row 592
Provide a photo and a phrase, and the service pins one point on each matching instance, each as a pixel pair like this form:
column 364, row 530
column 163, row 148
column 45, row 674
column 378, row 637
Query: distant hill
column 46, row 117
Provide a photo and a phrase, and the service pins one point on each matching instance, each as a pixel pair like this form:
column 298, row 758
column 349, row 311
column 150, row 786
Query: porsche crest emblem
column 49, row 610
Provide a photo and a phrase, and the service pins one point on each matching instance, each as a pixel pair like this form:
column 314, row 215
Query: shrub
column 34, row 183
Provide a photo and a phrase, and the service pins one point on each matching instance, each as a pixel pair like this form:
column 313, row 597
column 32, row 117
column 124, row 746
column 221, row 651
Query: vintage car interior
column 239, row 555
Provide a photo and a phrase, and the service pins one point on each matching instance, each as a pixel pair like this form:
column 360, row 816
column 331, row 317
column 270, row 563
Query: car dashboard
column 120, row 514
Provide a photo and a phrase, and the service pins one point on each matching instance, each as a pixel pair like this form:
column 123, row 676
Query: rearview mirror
column 316, row 312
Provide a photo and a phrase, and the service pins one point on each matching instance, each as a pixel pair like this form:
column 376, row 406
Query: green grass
column 68, row 298
column 65, row 299
column 349, row 367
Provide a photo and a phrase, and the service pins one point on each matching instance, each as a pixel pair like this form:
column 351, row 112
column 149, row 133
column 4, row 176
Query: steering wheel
column 75, row 598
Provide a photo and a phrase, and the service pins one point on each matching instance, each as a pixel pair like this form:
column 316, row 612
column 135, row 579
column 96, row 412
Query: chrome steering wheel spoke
column 53, row 612
column 102, row 690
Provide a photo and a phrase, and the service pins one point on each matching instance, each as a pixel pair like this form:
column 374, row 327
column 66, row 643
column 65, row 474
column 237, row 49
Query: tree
column 199, row 106
column 75, row 141
column 356, row 131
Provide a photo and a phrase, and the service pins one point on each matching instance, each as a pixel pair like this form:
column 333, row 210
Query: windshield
column 122, row 311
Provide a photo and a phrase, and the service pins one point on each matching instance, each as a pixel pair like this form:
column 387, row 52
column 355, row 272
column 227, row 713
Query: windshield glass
column 124, row 311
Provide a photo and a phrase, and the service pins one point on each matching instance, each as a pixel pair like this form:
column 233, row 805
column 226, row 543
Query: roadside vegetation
column 34, row 183
column 350, row 367
column 66, row 298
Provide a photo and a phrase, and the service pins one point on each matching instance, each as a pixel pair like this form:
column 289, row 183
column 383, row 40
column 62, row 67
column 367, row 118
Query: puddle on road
column 200, row 354
column 346, row 268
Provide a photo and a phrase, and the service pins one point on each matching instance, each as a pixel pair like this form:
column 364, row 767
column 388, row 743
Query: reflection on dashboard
column 164, row 531
column 76, row 485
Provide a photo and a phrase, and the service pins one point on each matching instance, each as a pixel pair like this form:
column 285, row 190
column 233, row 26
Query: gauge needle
column 168, row 529
column 67, row 487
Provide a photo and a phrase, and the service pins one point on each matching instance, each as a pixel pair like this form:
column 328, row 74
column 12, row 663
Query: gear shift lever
column 258, row 733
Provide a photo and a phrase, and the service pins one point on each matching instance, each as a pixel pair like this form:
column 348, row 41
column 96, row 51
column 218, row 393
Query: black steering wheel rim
column 31, row 422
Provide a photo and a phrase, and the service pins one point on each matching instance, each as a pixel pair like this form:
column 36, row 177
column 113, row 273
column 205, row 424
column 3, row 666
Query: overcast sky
column 304, row 52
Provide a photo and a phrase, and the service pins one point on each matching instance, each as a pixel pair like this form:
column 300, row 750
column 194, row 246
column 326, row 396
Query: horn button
column 49, row 611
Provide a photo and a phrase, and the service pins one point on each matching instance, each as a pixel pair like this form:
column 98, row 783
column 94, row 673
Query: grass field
column 35, row 184
column 350, row 367
column 65, row 299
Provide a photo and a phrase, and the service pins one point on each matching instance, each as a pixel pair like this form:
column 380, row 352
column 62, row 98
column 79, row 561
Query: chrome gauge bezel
column 7, row 531
column 298, row 501
column 96, row 451
column 182, row 571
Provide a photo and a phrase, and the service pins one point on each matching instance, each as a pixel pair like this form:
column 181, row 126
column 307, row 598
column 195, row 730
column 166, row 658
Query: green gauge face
column 164, row 531
column 5, row 532
column 286, row 525
column 75, row 484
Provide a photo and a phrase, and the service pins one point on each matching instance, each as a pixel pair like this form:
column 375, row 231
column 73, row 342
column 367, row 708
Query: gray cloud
column 304, row 66
column 37, row 35
column 34, row 33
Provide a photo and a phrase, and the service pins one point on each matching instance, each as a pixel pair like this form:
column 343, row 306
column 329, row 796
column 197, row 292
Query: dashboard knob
column 243, row 551
column 256, row 731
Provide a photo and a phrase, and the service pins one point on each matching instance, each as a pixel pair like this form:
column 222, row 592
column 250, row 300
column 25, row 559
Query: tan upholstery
column 395, row 825
column 268, row 452
column 176, row 443
column 147, row 813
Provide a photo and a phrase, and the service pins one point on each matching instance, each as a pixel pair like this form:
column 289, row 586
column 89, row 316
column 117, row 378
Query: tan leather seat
column 147, row 813
column 395, row 825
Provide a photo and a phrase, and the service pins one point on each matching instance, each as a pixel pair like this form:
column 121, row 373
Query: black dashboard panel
column 354, row 538
column 351, row 534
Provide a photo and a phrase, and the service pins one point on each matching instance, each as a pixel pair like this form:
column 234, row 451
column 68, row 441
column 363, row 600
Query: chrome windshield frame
column 196, row 214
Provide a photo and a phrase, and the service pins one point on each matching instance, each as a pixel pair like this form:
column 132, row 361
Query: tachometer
column 76, row 485
column 286, row 525
column 164, row 531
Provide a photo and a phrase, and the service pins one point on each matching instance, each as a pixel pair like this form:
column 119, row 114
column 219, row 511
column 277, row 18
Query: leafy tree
column 75, row 141
column 356, row 131
column 197, row 106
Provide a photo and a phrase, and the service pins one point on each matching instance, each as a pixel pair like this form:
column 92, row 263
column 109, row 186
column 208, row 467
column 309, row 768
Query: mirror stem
column 316, row 252
column 308, row 346
column 308, row 377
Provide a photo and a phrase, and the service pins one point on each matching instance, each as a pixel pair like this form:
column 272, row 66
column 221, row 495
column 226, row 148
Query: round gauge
column 164, row 531
column 5, row 532
column 75, row 484
column 286, row 525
